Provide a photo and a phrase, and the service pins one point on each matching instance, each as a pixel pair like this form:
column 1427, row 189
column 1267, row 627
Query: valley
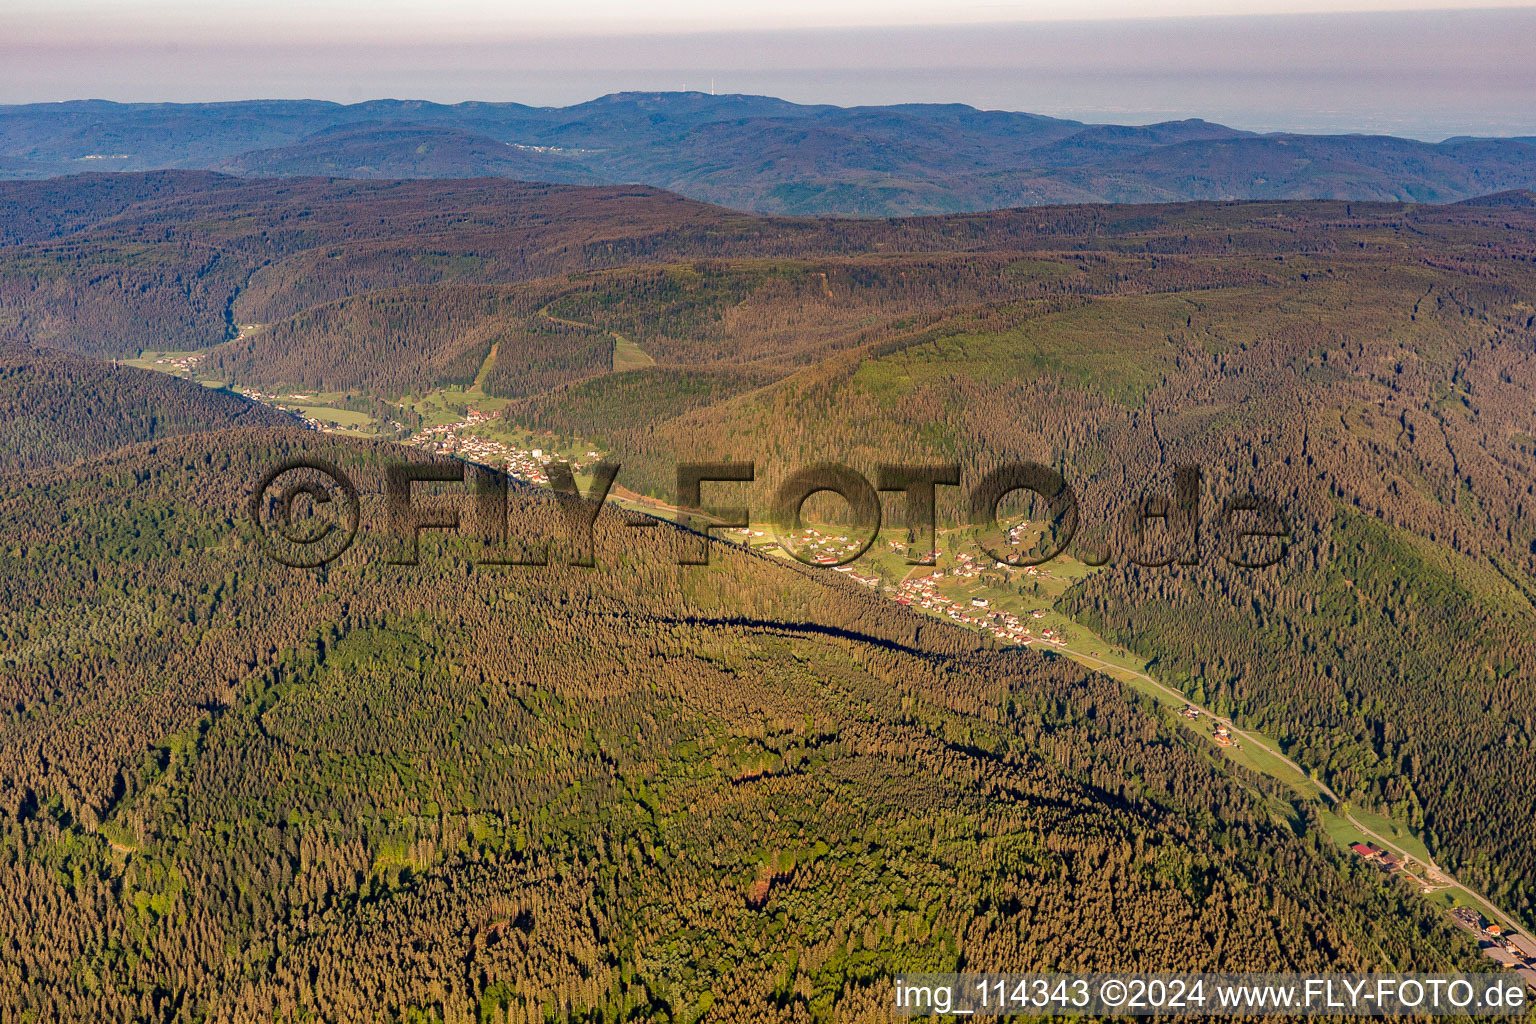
column 1011, row 605
column 633, row 792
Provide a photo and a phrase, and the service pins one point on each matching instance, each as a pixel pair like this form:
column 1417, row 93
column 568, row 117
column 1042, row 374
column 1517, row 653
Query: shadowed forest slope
column 57, row 408
column 378, row 791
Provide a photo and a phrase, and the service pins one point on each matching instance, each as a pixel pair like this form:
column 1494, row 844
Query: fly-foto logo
column 308, row 512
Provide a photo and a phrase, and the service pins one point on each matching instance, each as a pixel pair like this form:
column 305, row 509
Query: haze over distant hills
column 760, row 153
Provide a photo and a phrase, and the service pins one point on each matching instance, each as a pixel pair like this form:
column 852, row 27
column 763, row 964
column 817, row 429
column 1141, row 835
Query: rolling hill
column 759, row 153
column 753, row 790
column 395, row 150
column 58, row 408
column 384, row 793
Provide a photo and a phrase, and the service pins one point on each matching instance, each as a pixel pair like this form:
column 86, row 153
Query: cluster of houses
column 259, row 396
column 970, row 567
column 900, row 548
column 825, row 548
column 1015, row 537
column 868, row 581
column 456, row 439
column 1220, row 731
column 277, row 401
column 1516, row 952
column 967, row 567
column 1376, row 855
column 182, row 363
column 1427, row 880
column 923, row 592
column 324, row 426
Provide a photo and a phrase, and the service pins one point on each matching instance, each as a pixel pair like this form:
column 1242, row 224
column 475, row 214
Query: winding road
column 1100, row 664
column 1487, row 905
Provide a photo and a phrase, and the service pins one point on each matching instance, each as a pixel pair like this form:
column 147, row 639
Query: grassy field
column 1396, row 833
column 629, row 356
column 450, row 405
column 1260, row 753
column 347, row 419
column 160, row 361
column 485, row 369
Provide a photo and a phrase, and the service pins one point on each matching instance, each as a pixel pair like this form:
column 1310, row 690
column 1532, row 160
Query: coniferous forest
column 234, row 790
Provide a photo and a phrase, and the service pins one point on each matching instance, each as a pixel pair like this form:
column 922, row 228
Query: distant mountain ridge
column 395, row 150
column 759, row 153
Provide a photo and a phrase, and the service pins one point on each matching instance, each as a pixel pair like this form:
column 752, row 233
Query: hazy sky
column 416, row 19
column 1441, row 68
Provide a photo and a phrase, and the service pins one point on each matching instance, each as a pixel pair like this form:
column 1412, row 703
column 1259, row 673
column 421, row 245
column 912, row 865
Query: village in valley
column 955, row 580
column 461, row 422
column 1011, row 603
column 1006, row 626
column 466, row 439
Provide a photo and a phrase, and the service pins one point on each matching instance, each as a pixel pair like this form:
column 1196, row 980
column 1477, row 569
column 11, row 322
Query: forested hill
column 1371, row 363
column 230, row 790
column 760, row 153
column 634, row 792
column 57, row 408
